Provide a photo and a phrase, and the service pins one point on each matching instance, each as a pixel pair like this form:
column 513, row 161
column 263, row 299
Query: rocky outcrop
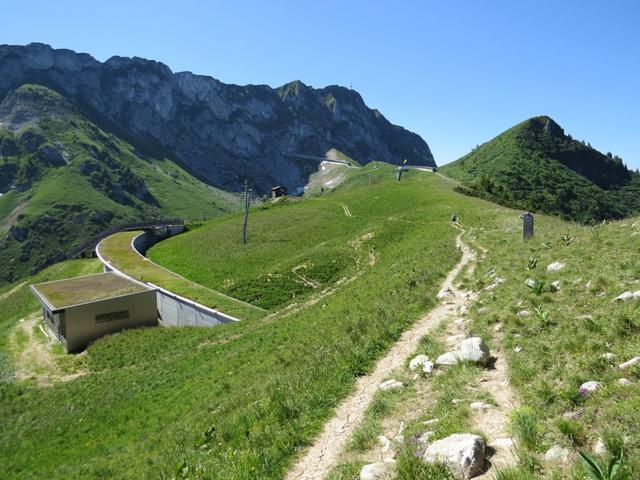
column 224, row 133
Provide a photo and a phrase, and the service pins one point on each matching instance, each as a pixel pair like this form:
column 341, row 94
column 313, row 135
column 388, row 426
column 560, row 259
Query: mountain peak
column 544, row 124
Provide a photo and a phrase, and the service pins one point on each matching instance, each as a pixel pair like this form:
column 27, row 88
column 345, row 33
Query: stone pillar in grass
column 527, row 225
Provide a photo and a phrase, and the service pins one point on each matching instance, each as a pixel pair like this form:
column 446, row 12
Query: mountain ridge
column 224, row 133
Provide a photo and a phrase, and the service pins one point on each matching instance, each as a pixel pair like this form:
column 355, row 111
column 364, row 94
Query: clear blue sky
column 456, row 72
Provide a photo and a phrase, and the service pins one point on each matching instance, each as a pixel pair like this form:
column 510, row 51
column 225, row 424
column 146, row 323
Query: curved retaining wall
column 173, row 309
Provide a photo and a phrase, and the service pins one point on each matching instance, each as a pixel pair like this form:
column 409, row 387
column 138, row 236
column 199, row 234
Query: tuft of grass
column 524, row 425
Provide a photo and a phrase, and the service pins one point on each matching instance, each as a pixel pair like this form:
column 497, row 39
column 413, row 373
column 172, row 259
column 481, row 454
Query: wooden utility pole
column 246, row 211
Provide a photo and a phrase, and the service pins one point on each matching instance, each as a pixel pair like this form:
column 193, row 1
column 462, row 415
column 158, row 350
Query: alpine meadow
column 219, row 279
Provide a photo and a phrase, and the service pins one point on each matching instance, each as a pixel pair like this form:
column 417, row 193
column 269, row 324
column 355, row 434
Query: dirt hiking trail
column 323, row 454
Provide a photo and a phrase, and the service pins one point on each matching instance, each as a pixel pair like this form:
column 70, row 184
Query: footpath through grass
column 118, row 251
column 240, row 400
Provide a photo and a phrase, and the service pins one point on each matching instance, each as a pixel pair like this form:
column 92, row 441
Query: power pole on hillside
column 246, row 211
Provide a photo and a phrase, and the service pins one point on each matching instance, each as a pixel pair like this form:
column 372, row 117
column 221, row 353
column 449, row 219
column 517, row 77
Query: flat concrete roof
column 61, row 294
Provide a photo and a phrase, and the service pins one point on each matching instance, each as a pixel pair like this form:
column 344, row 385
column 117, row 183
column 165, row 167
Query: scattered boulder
column 496, row 283
column 624, row 382
column 417, row 361
column 391, row 384
column 530, row 282
column 449, row 358
column 470, row 349
column 474, row 349
column 556, row 285
column 445, row 293
column 483, row 310
column 479, row 406
column 623, row 297
column 629, row 363
column 427, row 367
column 463, row 453
column 497, row 328
column 499, row 443
column 557, row 455
column 523, row 314
column 377, row 471
column 589, row 387
column 517, row 349
column 385, row 443
column 555, row 266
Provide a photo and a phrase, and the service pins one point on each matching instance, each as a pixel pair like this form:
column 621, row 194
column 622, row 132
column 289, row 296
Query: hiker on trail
column 454, row 218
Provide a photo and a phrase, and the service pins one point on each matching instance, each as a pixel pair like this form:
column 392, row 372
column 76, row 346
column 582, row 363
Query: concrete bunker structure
column 82, row 309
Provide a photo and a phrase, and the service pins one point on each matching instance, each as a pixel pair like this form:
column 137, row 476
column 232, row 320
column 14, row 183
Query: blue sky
column 456, row 72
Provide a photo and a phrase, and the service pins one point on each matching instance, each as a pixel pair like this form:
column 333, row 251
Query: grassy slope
column 295, row 248
column 562, row 344
column 105, row 182
column 118, row 251
column 533, row 168
column 237, row 401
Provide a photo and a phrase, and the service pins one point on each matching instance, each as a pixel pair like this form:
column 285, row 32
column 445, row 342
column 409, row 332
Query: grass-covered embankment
column 118, row 251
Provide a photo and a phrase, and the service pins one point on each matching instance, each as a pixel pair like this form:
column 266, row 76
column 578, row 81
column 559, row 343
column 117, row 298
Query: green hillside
column 241, row 400
column 535, row 166
column 64, row 179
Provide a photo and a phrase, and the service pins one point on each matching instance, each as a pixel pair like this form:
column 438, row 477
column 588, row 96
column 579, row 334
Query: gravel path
column 316, row 462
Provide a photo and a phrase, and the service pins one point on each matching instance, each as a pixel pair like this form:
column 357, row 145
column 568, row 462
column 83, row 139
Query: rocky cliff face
column 222, row 133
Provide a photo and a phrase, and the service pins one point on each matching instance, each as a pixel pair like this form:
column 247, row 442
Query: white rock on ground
column 427, row 367
column 417, row 361
column 555, row 266
column 377, row 471
column 517, row 349
column 445, row 293
column 556, row 284
column 624, row 382
column 629, row 363
column 497, row 328
column 608, row 356
column 589, row 387
column 391, row 384
column 502, row 443
column 557, row 455
column 474, row 349
column 496, row 283
column 470, row 349
column 385, row 443
column 623, row 297
column 484, row 310
column 530, row 282
column 449, row 358
column 463, row 453
column 523, row 314
column 599, row 447
column 479, row 406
